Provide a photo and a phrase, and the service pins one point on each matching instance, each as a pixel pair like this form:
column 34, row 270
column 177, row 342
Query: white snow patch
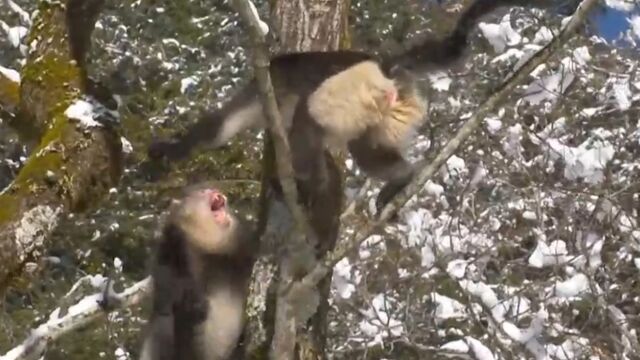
column 459, row 346
column 479, row 350
column 494, row 124
column 634, row 22
column 440, row 81
column 548, row 88
column 378, row 323
column 529, row 215
column 587, row 161
column 543, row 36
column 621, row 92
column 548, row 255
column 342, row 279
column 572, row 287
column 500, row 35
column 622, row 5
column 581, row 55
column 457, row 268
column 447, row 308
column 117, row 264
column 10, row 74
column 84, row 112
column 187, row 83
column 127, row 148
column 16, row 34
column 433, row 189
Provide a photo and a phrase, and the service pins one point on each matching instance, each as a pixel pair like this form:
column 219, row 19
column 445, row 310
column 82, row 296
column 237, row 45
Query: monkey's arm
column 215, row 127
column 384, row 163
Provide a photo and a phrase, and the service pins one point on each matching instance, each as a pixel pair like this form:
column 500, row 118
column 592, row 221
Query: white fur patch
column 243, row 119
column 225, row 320
column 349, row 102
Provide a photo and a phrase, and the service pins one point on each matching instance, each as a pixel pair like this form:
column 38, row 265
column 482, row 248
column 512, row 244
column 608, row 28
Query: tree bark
column 75, row 161
column 302, row 26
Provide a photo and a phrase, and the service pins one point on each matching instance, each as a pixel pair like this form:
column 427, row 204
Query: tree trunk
column 76, row 160
column 300, row 26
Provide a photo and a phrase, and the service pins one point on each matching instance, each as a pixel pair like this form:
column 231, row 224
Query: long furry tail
column 435, row 53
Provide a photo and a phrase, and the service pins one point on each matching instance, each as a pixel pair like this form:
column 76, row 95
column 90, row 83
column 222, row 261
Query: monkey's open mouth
column 218, row 201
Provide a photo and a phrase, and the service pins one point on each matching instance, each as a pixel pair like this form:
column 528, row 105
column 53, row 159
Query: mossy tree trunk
column 74, row 161
column 319, row 25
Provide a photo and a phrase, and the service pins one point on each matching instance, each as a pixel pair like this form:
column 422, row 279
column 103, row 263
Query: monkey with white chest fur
column 201, row 271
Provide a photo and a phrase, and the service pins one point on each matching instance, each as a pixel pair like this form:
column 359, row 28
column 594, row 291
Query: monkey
column 201, row 272
column 346, row 98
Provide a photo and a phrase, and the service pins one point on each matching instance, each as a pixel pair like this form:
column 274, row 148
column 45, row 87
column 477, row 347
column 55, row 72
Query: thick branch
column 507, row 88
column 77, row 159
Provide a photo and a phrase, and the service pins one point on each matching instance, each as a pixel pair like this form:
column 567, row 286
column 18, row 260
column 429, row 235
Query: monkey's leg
column 306, row 139
column 385, row 163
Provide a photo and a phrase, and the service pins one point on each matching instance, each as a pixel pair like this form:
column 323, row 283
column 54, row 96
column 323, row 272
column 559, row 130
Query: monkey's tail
column 440, row 53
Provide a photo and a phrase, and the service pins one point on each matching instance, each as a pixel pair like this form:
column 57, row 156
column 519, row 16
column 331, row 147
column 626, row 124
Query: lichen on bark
column 72, row 165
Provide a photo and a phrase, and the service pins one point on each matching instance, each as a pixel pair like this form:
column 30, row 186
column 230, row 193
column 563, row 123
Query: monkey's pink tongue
column 217, row 201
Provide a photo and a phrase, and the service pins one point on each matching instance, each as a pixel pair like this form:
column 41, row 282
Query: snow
column 16, row 34
column 440, row 81
column 634, row 21
column 82, row 111
column 572, row 287
column 10, row 74
column 622, row 5
column 447, row 308
column 479, row 350
column 342, row 279
column 548, row 88
column 500, row 35
column 188, row 83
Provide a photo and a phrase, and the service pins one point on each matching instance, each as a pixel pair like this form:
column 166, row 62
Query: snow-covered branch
column 81, row 313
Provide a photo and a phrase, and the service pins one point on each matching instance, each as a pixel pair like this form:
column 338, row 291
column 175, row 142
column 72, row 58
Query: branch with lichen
column 77, row 155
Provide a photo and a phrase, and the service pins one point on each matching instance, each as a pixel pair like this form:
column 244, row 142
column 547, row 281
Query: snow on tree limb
column 81, row 313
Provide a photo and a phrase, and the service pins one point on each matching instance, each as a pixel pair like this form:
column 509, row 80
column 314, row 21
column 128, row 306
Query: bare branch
column 284, row 339
column 247, row 10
